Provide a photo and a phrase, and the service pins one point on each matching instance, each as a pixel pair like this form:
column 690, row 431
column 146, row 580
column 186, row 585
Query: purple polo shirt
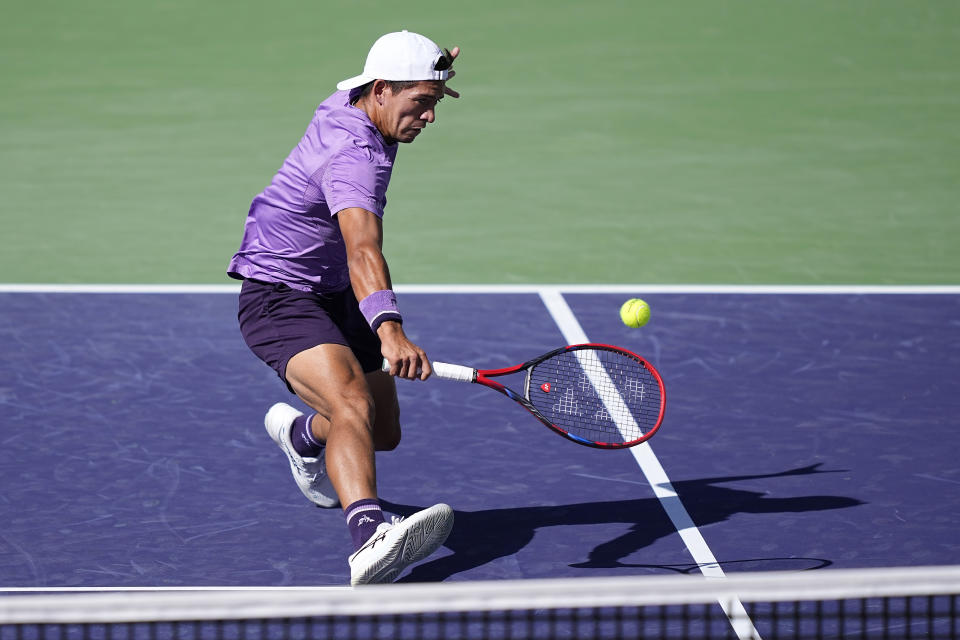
column 291, row 235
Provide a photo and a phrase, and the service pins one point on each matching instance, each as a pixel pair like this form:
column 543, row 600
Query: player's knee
column 355, row 413
column 387, row 439
column 387, row 432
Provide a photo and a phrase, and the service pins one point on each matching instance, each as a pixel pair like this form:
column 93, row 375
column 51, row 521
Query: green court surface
column 707, row 141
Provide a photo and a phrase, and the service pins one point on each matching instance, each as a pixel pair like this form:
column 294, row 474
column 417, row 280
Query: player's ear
column 379, row 87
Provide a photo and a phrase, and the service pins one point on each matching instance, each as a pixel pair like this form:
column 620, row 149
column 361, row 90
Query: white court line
column 573, row 333
column 852, row 289
column 120, row 288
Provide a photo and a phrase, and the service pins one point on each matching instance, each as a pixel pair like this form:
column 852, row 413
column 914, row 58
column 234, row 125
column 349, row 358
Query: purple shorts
column 278, row 322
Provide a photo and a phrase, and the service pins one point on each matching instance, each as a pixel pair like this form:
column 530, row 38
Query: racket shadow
column 483, row 536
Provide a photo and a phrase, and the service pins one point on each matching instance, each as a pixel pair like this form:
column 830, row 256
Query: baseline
column 847, row 289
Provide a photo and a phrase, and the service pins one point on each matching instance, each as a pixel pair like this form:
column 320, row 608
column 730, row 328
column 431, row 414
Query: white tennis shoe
column 398, row 544
column 310, row 473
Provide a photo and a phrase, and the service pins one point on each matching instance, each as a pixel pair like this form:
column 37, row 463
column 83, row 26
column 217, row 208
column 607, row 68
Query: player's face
column 407, row 113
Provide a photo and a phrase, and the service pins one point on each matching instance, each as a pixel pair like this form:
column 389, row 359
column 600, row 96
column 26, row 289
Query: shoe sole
column 423, row 536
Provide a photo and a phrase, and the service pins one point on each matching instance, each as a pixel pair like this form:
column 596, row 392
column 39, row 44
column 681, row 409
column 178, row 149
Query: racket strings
column 599, row 395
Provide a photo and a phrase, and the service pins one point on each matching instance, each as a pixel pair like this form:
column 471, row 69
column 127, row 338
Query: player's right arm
column 362, row 233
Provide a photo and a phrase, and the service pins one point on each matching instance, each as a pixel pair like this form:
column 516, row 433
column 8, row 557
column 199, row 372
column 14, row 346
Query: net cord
column 148, row 605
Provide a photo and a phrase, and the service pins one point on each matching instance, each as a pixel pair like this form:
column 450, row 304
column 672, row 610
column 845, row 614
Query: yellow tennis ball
column 635, row 312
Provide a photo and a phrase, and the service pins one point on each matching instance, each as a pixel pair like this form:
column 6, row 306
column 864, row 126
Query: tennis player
column 316, row 302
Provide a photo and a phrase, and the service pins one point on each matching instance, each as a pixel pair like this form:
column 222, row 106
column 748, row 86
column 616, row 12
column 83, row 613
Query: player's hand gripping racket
column 594, row 394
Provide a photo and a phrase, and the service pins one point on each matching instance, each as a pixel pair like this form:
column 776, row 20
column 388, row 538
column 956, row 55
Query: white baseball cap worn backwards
column 402, row 56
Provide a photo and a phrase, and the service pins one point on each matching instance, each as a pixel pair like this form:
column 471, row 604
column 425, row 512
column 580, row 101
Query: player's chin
column 410, row 134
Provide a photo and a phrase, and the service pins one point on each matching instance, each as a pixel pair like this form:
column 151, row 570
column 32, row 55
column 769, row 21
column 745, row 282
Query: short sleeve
column 354, row 177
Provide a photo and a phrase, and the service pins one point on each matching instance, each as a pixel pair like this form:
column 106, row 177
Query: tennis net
column 866, row 603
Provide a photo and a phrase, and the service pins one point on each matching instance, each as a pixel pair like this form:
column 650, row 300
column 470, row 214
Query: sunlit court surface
column 806, row 429
column 803, row 431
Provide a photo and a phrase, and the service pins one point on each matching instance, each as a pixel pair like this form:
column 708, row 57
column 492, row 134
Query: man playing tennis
column 311, row 249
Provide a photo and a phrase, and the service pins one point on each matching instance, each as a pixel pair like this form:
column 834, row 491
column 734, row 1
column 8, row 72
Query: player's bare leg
column 355, row 413
column 329, row 379
column 386, row 424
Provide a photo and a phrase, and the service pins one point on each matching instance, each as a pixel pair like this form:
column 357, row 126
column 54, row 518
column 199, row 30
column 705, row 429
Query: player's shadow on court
column 480, row 537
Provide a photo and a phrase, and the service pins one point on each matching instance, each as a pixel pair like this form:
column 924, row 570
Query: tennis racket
column 596, row 395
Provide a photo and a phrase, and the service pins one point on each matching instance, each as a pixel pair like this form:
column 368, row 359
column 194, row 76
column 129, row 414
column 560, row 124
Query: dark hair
column 396, row 86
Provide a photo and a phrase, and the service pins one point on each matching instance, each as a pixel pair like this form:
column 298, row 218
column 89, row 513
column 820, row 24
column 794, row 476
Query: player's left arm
column 362, row 232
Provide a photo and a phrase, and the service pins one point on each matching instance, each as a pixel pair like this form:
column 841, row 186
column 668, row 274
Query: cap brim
column 354, row 82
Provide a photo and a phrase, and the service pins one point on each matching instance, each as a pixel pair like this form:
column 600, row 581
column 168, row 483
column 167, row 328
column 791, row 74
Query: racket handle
column 455, row 372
